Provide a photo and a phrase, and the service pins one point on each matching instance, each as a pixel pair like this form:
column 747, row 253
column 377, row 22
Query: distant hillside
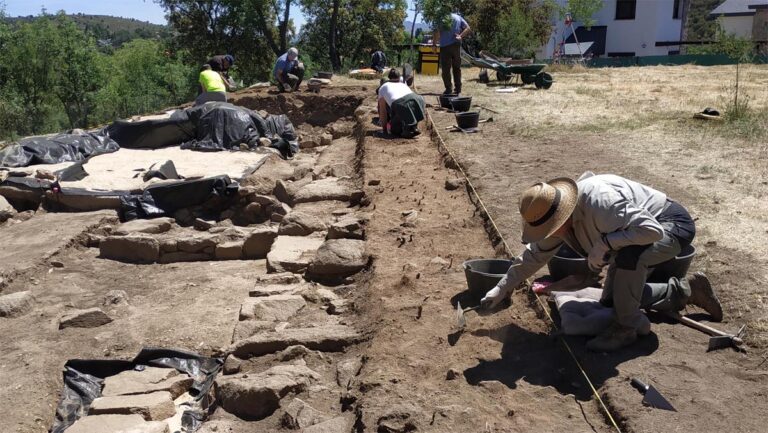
column 113, row 31
column 699, row 28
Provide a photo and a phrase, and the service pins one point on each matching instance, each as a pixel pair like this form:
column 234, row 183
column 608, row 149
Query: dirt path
column 501, row 383
column 712, row 391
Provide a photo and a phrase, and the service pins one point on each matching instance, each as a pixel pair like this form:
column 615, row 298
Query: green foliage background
column 54, row 76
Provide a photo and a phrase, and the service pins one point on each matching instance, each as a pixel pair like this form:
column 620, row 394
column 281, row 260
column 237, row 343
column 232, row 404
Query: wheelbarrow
column 505, row 71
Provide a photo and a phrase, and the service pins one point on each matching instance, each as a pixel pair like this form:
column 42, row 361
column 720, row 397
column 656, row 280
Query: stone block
column 90, row 318
column 130, row 249
column 154, row 406
column 16, row 304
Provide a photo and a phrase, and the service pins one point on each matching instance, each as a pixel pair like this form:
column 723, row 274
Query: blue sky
column 144, row 10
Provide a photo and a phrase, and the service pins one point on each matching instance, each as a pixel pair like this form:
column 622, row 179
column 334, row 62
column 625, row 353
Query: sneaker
column 613, row 338
column 703, row 296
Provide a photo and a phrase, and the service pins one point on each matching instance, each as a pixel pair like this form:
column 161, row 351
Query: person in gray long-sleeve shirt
column 618, row 223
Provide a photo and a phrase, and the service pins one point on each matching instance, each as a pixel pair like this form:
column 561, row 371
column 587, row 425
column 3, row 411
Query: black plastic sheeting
column 165, row 199
column 84, row 379
column 151, row 134
column 223, row 126
column 55, row 149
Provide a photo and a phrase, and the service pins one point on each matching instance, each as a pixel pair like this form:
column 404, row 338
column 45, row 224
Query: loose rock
column 229, row 250
column 293, row 253
column 203, row 225
column 116, row 423
column 374, row 182
column 454, row 184
column 347, row 228
column 271, row 308
column 6, row 210
column 330, row 188
column 452, row 374
column 338, row 258
column 151, row 379
column 399, row 419
column 16, row 304
column 57, row 264
column 299, row 415
column 153, row 226
column 347, row 370
column 115, row 297
column 259, row 243
column 300, row 224
column 293, row 352
column 232, row 365
column 154, row 406
column 205, row 243
column 90, row 318
column 255, row 397
column 326, row 139
column 335, row 425
column 131, row 249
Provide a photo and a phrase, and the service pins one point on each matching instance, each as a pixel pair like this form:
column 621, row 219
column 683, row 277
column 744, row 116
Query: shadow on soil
column 541, row 360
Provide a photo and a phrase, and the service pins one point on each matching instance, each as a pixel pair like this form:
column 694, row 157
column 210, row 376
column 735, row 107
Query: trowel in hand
column 461, row 321
column 652, row 397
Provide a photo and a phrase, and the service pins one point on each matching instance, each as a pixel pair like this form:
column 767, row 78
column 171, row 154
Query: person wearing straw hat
column 614, row 222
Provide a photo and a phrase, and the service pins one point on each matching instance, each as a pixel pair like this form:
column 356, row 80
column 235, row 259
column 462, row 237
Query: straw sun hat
column 546, row 206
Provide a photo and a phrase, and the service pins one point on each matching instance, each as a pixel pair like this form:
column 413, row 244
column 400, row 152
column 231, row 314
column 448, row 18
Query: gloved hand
column 493, row 298
column 599, row 256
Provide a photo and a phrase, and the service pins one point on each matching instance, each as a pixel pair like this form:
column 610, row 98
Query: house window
column 625, row 9
column 676, row 10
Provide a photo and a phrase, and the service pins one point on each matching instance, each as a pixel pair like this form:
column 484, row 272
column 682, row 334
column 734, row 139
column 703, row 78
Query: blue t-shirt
column 284, row 64
column 448, row 36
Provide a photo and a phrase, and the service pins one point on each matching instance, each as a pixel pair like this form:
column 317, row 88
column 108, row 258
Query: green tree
column 32, row 51
column 342, row 33
column 582, row 11
column 248, row 29
column 144, row 77
column 79, row 74
column 512, row 28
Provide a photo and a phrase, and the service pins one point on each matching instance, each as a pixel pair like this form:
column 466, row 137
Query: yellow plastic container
column 429, row 60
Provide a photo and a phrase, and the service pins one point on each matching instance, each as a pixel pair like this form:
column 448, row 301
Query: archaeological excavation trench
column 311, row 294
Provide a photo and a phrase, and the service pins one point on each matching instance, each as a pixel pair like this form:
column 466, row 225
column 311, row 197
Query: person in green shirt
column 212, row 86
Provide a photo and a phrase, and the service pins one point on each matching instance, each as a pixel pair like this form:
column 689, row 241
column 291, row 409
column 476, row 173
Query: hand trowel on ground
column 652, row 397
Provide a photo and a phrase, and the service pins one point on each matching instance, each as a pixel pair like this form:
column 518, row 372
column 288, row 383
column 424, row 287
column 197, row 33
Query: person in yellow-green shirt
column 212, row 87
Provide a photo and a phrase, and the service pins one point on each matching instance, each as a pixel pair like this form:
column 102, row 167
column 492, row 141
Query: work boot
column 613, row 338
column 447, row 92
column 703, row 296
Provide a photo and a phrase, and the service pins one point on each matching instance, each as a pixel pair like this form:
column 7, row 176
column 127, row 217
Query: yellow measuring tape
column 474, row 192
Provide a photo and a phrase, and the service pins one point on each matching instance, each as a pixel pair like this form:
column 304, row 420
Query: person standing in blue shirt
column 289, row 71
column 450, row 51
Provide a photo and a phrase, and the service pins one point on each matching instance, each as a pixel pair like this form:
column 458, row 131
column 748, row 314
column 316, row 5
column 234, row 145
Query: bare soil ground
column 637, row 122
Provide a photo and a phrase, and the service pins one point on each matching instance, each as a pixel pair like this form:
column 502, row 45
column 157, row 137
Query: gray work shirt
column 609, row 209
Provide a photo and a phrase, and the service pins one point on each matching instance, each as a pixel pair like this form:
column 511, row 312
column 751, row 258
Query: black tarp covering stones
column 165, row 199
column 223, row 126
column 151, row 134
column 55, row 149
column 84, row 379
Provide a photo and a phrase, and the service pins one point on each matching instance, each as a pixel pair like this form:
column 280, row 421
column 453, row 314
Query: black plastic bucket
column 467, row 120
column 445, row 100
column 325, row 75
column 566, row 262
column 677, row 267
column 483, row 274
column 461, row 103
